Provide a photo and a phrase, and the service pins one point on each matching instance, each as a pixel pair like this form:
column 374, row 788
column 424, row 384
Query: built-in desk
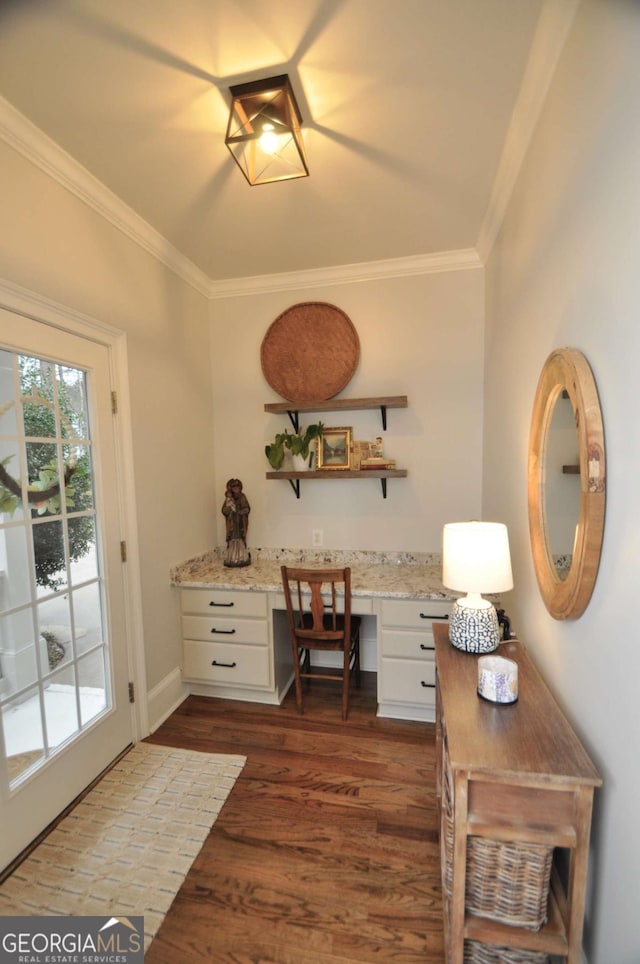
column 236, row 642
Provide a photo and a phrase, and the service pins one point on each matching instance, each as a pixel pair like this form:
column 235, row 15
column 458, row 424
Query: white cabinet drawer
column 413, row 613
column 405, row 645
column 216, row 629
column 227, row 663
column 221, row 602
column 408, row 681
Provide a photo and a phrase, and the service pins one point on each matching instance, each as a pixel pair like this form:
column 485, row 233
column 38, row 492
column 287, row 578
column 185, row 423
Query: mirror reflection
column 562, row 485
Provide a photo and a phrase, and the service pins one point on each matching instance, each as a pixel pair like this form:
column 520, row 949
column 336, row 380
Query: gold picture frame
column 334, row 449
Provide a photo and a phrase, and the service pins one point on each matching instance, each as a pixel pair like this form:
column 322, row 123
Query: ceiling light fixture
column 263, row 133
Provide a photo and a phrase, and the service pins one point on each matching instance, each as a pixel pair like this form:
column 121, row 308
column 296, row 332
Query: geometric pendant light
column 263, row 133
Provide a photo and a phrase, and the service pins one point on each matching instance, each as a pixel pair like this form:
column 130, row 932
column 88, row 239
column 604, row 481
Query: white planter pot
column 300, row 463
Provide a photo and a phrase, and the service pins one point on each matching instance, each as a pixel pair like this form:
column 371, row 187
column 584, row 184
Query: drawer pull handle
column 427, row 616
column 428, row 648
column 228, row 665
column 223, row 605
column 427, row 686
column 223, row 632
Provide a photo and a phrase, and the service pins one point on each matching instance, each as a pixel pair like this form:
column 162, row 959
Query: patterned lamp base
column 474, row 630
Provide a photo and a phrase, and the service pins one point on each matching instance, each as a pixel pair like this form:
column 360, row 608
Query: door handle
column 223, row 605
column 223, row 632
column 215, row 662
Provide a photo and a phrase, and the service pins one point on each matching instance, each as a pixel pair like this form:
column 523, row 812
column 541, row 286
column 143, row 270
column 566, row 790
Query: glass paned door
column 63, row 659
column 52, row 636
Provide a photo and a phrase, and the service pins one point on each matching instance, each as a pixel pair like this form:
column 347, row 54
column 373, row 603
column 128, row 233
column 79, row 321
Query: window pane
column 54, row 620
column 87, row 614
column 60, row 709
column 38, row 415
column 8, row 415
column 49, row 556
column 22, row 724
column 22, row 763
column 36, row 382
column 10, row 482
column 17, row 652
column 72, row 400
column 15, row 568
column 79, row 488
column 91, row 680
column 82, row 543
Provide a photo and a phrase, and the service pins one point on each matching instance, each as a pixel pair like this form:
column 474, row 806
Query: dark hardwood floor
column 327, row 848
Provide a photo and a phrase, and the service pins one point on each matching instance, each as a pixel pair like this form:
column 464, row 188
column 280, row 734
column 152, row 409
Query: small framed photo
column 334, row 448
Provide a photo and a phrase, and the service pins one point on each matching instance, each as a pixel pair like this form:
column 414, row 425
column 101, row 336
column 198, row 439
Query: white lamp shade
column 475, row 557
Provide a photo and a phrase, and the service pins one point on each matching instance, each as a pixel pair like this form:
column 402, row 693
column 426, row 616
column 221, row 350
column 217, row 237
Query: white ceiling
column 406, row 106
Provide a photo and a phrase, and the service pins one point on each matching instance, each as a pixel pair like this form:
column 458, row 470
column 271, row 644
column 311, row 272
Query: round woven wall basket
column 310, row 352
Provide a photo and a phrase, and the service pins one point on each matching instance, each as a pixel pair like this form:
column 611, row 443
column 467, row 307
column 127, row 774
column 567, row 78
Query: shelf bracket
column 383, row 483
column 295, row 485
column 293, row 416
column 383, row 415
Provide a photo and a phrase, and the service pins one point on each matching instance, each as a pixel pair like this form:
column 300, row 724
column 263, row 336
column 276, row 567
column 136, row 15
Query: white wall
column 419, row 336
column 58, row 247
column 565, row 273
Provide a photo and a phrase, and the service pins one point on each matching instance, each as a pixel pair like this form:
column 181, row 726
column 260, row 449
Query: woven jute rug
column 126, row 847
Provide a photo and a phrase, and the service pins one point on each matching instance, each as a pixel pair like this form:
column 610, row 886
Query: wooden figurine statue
column 236, row 511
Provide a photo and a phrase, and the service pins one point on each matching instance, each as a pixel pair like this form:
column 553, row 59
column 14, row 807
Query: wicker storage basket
column 505, row 882
column 477, row 953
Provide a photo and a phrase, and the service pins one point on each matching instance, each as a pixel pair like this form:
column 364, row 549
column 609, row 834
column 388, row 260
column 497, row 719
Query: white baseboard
column 165, row 698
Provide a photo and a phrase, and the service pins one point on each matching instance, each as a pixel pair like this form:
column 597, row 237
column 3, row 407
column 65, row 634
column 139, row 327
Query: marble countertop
column 372, row 574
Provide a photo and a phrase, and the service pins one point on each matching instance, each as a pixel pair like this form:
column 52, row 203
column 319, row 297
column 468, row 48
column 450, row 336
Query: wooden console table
column 518, row 775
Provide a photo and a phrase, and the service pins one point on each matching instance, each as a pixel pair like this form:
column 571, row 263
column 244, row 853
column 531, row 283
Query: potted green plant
column 299, row 444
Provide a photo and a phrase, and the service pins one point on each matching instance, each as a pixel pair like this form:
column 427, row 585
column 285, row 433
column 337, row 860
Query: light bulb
column 268, row 140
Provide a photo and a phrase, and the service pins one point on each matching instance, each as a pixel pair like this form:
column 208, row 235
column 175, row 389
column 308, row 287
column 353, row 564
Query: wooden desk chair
column 316, row 624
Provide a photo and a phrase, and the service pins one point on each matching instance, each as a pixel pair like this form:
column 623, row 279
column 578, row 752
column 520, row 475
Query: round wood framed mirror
column 566, row 483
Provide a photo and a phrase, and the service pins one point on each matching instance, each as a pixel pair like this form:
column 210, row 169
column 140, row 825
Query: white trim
column 23, row 301
column 34, row 144
column 548, row 43
column 126, row 497
column 551, row 34
column 347, row 273
column 32, row 305
column 166, row 697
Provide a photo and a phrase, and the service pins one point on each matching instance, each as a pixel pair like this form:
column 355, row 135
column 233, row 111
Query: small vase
column 301, row 463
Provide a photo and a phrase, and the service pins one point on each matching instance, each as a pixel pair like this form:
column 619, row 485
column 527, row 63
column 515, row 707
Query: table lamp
column 475, row 559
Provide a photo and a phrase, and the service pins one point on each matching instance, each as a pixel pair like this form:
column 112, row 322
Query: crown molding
column 24, row 137
column 347, row 274
column 548, row 43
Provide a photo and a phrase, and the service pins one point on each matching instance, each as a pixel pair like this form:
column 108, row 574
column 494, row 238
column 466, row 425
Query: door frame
column 22, row 301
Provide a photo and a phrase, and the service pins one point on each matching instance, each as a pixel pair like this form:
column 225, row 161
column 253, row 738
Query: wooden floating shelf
column 294, row 478
column 341, row 474
column 383, row 402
